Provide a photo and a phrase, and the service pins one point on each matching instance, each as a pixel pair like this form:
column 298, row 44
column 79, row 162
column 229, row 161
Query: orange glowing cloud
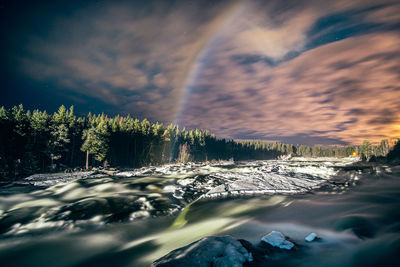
column 345, row 91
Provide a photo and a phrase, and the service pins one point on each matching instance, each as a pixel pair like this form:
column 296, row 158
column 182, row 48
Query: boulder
column 209, row 251
column 277, row 239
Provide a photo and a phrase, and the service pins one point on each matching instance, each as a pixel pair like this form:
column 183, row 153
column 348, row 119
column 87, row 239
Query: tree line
column 35, row 141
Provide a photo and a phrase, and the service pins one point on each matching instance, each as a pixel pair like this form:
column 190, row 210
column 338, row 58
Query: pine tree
column 96, row 142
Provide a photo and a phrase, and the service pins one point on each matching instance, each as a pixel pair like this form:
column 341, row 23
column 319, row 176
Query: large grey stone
column 209, row 251
column 277, row 239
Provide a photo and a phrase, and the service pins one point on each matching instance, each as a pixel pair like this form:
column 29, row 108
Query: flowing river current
column 135, row 217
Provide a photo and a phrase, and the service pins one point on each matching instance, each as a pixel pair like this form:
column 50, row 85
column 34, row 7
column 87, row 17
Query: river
column 136, row 216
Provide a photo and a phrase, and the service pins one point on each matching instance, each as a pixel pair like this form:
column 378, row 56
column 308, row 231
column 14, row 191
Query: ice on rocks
column 277, row 239
column 169, row 189
column 185, row 182
column 263, row 183
column 296, row 175
column 311, row 237
column 125, row 174
column 50, row 179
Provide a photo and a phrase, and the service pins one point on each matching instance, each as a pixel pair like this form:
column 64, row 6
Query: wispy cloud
column 135, row 58
column 340, row 92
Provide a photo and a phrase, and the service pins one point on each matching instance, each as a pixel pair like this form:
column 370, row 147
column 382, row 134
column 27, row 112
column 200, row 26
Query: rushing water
column 135, row 217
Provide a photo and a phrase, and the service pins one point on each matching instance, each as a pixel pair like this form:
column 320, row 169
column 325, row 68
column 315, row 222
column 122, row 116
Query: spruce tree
column 96, row 142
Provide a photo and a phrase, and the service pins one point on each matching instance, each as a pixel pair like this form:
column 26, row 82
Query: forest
column 35, row 142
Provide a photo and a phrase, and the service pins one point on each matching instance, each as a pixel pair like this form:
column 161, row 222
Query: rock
column 311, row 237
column 144, row 203
column 257, row 256
column 209, row 251
column 277, row 239
column 250, row 257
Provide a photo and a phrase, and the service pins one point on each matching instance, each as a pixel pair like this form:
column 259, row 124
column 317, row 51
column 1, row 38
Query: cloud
column 295, row 71
column 308, row 95
column 275, row 42
column 135, row 58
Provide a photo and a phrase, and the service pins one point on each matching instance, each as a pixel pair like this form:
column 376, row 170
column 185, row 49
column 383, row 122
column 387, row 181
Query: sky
column 300, row 72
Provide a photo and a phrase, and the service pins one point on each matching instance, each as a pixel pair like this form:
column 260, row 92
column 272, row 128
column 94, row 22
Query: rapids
column 134, row 217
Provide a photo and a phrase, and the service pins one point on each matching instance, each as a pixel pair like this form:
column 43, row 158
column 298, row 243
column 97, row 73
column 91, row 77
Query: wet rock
column 311, row 237
column 209, row 251
column 121, row 208
column 257, row 254
column 161, row 205
column 144, row 203
column 277, row 239
column 86, row 209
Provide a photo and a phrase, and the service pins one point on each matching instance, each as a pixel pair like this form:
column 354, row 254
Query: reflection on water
column 135, row 218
